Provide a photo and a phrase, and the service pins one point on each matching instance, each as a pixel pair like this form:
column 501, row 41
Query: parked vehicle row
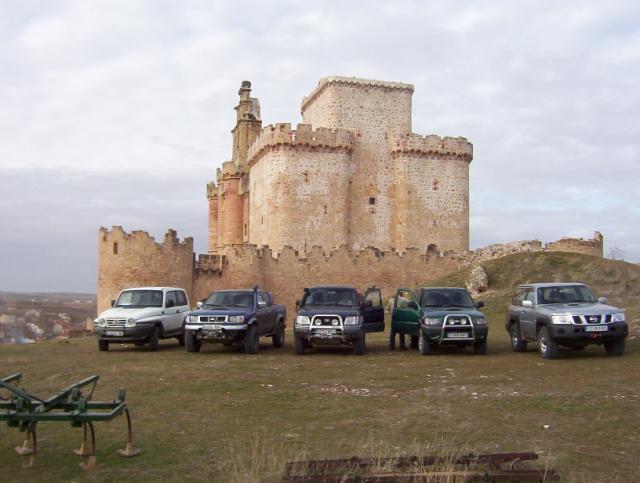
column 553, row 315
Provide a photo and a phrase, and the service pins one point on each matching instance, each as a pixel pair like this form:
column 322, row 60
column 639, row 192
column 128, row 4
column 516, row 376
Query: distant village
column 29, row 318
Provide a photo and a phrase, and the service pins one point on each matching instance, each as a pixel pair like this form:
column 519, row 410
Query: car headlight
column 236, row 319
column 561, row 319
column 619, row 317
column 480, row 321
column 191, row 318
column 303, row 320
column 353, row 320
column 130, row 323
column 431, row 321
column 100, row 322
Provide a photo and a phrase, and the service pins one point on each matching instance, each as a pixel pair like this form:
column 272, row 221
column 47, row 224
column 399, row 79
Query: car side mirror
column 527, row 303
column 368, row 303
column 170, row 303
column 480, row 304
column 602, row 300
column 113, row 303
column 199, row 305
column 412, row 305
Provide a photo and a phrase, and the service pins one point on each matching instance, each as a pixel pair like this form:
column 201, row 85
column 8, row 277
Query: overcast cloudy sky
column 119, row 112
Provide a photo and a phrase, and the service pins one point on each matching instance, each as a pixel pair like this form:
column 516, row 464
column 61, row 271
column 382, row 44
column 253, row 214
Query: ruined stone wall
column 594, row 246
column 299, row 183
column 430, row 195
column 372, row 110
column 135, row 260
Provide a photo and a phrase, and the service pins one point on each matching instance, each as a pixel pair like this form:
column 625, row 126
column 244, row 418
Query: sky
column 119, row 112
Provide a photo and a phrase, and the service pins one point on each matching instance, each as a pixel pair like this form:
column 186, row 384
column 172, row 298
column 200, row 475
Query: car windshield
column 332, row 296
column 447, row 297
column 565, row 294
column 139, row 298
column 225, row 299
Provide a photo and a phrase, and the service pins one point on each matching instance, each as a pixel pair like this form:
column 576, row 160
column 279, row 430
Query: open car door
column 405, row 318
column 373, row 311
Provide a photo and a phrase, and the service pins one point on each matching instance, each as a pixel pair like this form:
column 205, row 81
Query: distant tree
column 616, row 253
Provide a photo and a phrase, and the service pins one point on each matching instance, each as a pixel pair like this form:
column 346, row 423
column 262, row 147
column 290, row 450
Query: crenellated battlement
column 212, row 190
column 431, row 145
column 229, row 170
column 304, row 137
column 210, row 263
column 324, row 83
column 171, row 240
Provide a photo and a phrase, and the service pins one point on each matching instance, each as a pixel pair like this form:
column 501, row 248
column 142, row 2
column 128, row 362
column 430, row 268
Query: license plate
column 326, row 333
column 597, row 328
column 115, row 333
column 213, row 327
column 457, row 335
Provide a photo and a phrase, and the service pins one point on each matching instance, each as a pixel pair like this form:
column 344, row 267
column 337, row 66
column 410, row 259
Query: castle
column 349, row 196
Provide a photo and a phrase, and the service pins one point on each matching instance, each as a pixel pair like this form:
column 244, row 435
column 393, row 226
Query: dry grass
column 223, row 416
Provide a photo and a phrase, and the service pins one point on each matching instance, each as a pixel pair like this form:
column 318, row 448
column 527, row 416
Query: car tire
column 103, row 345
column 392, row 341
column 414, row 342
column 359, row 346
column 615, row 347
column 299, row 345
column 251, row 340
column 154, row 339
column 192, row 343
column 517, row 343
column 425, row 347
column 546, row 345
column 278, row 337
column 180, row 339
column 480, row 347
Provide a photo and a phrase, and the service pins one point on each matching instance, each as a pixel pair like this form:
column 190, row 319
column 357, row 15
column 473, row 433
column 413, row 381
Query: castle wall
column 593, row 247
column 374, row 111
column 430, row 195
column 136, row 260
column 212, row 236
column 299, row 184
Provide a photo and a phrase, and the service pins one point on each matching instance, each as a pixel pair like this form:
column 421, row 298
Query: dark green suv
column 438, row 316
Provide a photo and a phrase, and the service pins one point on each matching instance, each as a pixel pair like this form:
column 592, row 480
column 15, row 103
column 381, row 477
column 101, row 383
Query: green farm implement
column 24, row 411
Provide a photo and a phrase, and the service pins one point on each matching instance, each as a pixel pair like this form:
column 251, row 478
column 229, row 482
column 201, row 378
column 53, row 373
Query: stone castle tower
column 352, row 175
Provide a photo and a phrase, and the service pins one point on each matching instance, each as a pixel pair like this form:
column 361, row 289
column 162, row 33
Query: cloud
column 120, row 112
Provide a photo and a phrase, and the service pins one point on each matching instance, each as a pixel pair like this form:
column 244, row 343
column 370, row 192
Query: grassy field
column 223, row 416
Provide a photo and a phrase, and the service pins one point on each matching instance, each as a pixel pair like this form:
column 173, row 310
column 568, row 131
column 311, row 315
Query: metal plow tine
column 90, row 459
column 129, row 450
column 83, row 450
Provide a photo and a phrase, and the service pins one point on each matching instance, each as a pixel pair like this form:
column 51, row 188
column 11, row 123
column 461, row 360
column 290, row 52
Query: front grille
column 216, row 318
column 608, row 318
column 116, row 322
column 577, row 319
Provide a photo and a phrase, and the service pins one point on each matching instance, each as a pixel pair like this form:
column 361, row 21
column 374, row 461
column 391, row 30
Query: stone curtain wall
column 594, row 246
column 136, row 260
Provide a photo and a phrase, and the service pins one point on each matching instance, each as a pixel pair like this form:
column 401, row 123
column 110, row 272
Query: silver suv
column 564, row 314
column 143, row 316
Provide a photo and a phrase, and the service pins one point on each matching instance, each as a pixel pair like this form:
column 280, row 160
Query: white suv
column 143, row 316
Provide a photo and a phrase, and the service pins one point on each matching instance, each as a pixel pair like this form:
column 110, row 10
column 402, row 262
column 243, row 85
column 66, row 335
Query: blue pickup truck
column 337, row 315
column 236, row 316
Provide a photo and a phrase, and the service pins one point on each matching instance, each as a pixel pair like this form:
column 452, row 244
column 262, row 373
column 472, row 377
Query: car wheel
column 480, row 347
column 103, row 345
column 517, row 343
column 614, row 348
column 251, row 340
column 191, row 341
column 299, row 345
column 414, row 342
column 154, row 339
column 546, row 345
column 392, row 341
column 358, row 346
column 181, row 340
column 278, row 337
column 425, row 347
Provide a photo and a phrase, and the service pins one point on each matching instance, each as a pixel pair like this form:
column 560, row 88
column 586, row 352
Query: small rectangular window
column 372, row 200
column 115, row 248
